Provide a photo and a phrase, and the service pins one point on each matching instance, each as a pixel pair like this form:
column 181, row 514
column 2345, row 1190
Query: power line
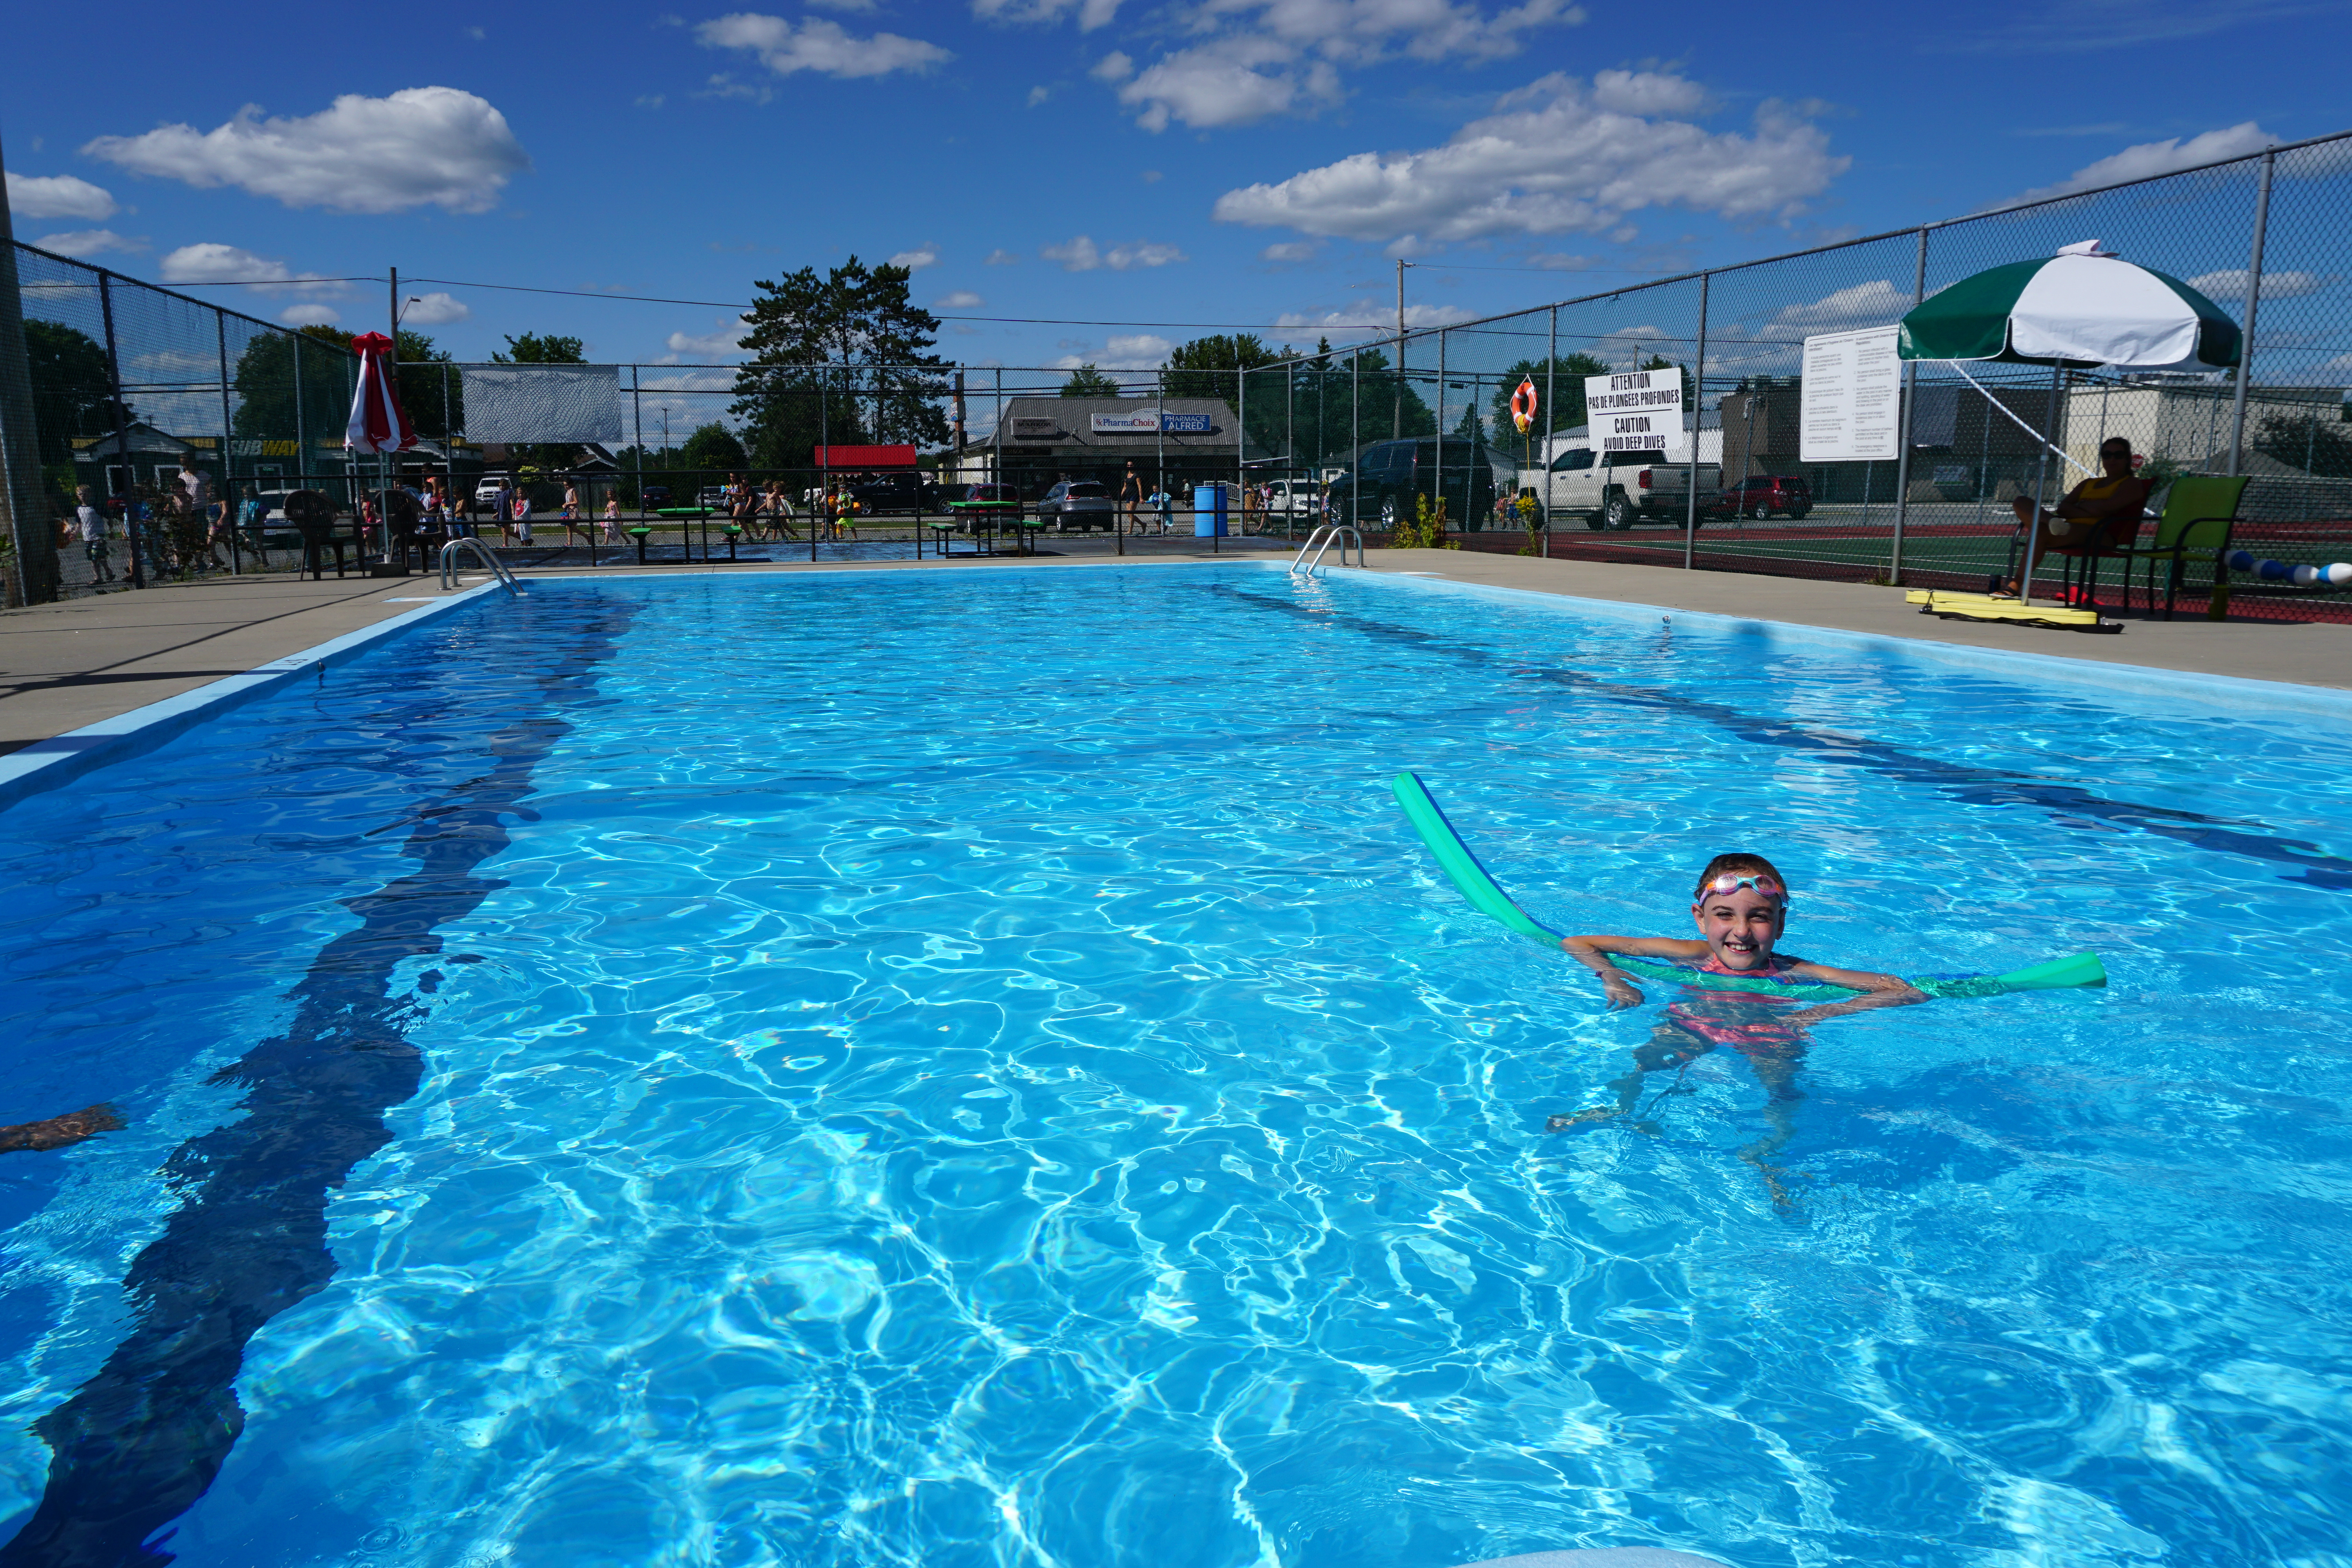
column 740, row 305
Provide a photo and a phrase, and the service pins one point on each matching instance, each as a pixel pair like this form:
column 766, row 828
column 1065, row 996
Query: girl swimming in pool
column 1741, row 908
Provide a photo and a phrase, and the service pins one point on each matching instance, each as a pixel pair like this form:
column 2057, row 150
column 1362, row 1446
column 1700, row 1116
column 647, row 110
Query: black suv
column 897, row 492
column 1389, row 477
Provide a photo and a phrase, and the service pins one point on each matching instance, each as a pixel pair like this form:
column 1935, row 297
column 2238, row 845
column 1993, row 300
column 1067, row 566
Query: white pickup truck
column 1617, row 489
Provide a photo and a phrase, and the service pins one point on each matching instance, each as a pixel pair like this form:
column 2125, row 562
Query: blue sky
column 1154, row 164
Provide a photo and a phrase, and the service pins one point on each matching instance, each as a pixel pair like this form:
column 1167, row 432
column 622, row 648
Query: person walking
column 1130, row 500
column 91, row 525
column 501, row 510
column 613, row 534
column 522, row 515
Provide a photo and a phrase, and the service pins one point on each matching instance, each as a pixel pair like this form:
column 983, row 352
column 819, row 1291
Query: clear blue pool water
column 970, row 1070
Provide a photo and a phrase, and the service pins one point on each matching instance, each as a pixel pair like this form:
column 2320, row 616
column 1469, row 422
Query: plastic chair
column 2080, row 578
column 2200, row 511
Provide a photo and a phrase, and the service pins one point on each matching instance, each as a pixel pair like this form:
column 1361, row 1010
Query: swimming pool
column 973, row 1068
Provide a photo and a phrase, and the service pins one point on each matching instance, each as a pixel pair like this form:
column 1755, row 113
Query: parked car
column 1618, row 489
column 711, row 496
column 1297, row 500
column 486, row 493
column 895, row 492
column 983, row 504
column 654, row 496
column 1390, row 477
column 1760, row 496
column 1078, row 503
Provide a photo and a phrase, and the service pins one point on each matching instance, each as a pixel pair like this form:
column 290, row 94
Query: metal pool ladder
column 1320, row 541
column 483, row 554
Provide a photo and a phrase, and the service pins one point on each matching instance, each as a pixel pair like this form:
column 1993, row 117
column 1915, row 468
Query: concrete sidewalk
column 68, row 665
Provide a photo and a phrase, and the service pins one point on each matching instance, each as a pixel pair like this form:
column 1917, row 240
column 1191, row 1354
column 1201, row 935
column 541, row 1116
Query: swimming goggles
column 1731, row 882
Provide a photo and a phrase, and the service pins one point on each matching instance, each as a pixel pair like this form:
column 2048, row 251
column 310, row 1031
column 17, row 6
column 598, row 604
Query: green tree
column 1211, row 367
column 533, row 348
column 712, row 448
column 73, row 391
column 1087, row 382
column 264, row 380
column 2317, row 443
column 1559, row 393
column 841, row 359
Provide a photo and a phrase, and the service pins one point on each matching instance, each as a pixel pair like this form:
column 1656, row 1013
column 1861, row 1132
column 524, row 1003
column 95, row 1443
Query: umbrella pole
column 2041, row 478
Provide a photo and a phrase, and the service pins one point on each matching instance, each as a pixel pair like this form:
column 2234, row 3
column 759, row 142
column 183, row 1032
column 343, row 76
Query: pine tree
column 839, row 359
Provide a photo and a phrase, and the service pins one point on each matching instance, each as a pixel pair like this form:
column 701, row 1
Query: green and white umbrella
column 2078, row 309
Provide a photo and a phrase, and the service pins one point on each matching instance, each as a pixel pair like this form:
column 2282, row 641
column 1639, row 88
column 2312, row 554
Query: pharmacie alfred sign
column 1151, row 424
column 1635, row 410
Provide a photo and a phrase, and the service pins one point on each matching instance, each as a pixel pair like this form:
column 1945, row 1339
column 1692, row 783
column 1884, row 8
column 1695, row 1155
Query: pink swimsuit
column 1732, row 1019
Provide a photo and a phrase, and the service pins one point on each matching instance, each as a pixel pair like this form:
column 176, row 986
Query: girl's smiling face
column 1740, row 927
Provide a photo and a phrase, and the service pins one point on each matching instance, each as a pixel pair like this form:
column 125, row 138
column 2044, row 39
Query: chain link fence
column 181, row 422
column 2264, row 236
column 1408, row 438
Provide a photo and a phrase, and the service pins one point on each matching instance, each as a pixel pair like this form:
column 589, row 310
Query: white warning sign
column 1636, row 411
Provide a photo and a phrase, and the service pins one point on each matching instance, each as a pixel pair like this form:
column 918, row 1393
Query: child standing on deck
column 1741, row 909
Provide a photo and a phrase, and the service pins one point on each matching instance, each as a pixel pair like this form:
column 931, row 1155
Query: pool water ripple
column 978, row 1072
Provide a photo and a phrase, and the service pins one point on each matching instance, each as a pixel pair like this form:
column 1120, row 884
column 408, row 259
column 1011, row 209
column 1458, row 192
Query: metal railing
column 483, row 553
column 1320, row 541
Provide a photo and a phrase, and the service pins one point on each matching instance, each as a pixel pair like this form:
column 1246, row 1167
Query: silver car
column 1078, row 503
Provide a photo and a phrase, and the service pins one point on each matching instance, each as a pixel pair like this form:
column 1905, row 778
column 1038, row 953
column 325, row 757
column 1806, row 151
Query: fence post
column 228, row 463
column 1910, row 399
column 22, row 495
column 301, row 434
column 1437, row 481
column 1241, row 441
column 1543, row 441
column 121, row 434
column 1355, row 437
column 2254, row 300
column 1699, row 406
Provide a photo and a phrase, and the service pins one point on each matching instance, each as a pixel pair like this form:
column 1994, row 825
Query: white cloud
column 434, row 310
column 843, row 4
column 1553, row 159
column 211, row 262
column 1137, row 349
column 1289, row 251
column 817, row 45
column 310, row 314
column 1227, row 83
column 87, row 242
column 2148, row 158
column 1256, row 58
column 2229, row 285
column 726, row 340
column 1037, row 95
column 1091, row 13
column 1082, row 255
column 1371, row 316
column 1864, row 305
column 915, row 260
column 1002, row 258
column 421, row 146
column 57, row 195
column 962, row 300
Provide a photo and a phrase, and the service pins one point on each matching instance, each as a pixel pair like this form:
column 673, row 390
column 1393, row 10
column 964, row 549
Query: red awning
column 866, row 456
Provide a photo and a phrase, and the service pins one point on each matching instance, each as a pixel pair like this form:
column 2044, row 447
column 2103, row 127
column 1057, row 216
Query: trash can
column 1209, row 506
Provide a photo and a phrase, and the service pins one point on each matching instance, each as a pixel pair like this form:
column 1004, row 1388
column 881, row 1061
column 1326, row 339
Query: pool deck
column 86, row 661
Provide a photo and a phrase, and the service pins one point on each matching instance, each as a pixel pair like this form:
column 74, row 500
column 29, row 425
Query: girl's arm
column 1592, row 951
column 1877, row 991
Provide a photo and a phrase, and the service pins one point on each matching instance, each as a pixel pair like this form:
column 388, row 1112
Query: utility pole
column 1396, row 414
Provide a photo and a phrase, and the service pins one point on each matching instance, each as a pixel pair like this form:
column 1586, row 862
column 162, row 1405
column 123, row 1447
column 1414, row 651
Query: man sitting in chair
column 2110, row 504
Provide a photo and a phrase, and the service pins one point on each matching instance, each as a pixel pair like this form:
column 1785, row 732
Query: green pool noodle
column 1486, row 896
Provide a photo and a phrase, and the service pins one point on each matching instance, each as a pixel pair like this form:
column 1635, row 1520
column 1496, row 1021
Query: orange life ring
column 1523, row 405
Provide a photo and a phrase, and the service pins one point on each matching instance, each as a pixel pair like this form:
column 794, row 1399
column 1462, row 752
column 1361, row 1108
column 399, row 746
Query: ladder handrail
column 488, row 557
column 1320, row 541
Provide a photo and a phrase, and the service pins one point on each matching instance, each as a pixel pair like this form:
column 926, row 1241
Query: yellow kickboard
column 1986, row 607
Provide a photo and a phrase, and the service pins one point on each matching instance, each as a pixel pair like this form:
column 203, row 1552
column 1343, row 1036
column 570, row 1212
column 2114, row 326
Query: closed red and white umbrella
column 378, row 422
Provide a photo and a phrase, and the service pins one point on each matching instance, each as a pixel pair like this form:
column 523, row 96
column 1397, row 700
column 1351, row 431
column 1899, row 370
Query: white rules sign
column 1854, row 398
column 1636, row 411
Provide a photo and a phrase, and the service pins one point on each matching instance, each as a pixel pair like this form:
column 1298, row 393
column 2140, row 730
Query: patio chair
column 2200, row 511
column 2080, row 575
